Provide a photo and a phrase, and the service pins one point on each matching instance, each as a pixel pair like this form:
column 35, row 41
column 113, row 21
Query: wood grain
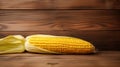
column 25, row 4
column 87, row 4
column 90, row 20
column 35, row 20
column 9, row 15
column 102, row 59
column 60, row 4
column 102, row 40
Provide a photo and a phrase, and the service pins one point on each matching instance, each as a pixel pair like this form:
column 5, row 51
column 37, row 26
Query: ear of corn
column 12, row 44
column 58, row 45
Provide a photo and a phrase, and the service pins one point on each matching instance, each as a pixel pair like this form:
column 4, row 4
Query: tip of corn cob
column 57, row 44
column 12, row 44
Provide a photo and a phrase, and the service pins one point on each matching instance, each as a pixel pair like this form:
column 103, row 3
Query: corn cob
column 12, row 44
column 58, row 45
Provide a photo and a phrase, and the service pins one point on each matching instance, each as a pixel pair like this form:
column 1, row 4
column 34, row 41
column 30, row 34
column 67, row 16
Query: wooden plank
column 102, row 40
column 25, row 4
column 58, row 25
column 87, row 4
column 35, row 20
column 28, row 26
column 113, row 4
column 102, row 59
column 32, row 15
column 88, row 19
column 60, row 4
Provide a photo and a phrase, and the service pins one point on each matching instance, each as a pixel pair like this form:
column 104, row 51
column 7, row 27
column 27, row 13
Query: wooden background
column 97, row 21
column 104, row 59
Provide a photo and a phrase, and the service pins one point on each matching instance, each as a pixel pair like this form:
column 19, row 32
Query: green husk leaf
column 12, row 44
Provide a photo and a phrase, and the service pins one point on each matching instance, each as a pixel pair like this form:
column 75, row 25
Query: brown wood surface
column 102, row 40
column 35, row 20
column 102, row 59
column 86, row 19
column 101, row 27
column 60, row 4
column 90, row 20
column 25, row 4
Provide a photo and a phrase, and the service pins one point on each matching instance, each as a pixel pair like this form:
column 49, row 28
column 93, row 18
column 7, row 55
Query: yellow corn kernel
column 58, row 45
